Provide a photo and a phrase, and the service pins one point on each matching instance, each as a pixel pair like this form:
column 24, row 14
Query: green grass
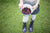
column 11, row 17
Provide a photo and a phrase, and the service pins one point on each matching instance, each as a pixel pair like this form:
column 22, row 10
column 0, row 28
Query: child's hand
column 34, row 7
column 20, row 5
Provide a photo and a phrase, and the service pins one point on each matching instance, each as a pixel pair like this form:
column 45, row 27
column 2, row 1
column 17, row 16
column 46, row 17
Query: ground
column 11, row 17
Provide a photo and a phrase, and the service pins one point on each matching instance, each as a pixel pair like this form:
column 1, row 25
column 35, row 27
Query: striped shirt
column 31, row 2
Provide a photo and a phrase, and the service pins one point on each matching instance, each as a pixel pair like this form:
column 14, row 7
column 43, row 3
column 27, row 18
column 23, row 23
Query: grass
column 11, row 17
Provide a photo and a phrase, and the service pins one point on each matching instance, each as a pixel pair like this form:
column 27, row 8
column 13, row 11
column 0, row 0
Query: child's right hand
column 20, row 5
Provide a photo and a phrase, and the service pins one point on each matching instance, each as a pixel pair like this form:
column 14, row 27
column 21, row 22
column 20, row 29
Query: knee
column 25, row 18
column 33, row 17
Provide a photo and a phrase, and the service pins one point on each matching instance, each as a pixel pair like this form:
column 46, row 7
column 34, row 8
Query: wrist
column 36, row 5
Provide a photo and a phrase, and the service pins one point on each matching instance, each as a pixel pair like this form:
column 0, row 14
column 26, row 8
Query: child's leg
column 31, row 23
column 25, row 19
column 32, row 20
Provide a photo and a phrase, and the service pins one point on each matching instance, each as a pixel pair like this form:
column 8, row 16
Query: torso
column 31, row 2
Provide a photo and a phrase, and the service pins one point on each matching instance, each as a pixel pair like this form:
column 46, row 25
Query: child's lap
column 36, row 11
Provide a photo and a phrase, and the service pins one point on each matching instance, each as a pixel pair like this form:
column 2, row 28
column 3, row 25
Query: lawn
column 11, row 17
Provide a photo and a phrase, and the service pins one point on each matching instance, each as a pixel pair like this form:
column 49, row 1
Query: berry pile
column 26, row 11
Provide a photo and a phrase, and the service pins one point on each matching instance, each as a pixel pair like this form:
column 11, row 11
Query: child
column 35, row 6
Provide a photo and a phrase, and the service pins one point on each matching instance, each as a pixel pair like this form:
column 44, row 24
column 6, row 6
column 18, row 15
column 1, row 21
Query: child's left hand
column 34, row 7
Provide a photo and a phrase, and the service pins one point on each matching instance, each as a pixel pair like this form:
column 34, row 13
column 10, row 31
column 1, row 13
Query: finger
column 22, row 7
